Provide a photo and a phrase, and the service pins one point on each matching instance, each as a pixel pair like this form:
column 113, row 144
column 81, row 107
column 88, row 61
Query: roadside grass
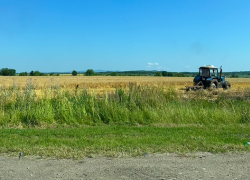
column 131, row 121
column 122, row 141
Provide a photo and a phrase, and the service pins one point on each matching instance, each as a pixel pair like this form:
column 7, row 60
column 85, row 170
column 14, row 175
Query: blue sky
column 171, row 35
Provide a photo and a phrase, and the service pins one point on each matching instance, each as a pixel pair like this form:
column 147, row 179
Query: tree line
column 91, row 72
column 37, row 73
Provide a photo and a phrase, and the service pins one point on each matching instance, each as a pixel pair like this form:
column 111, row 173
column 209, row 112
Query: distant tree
column 90, row 72
column 12, row 72
column 234, row 76
column 37, row 73
column 4, row 72
column 32, row 73
column 164, row 73
column 74, row 73
column 7, row 72
column 171, row 74
column 43, row 74
column 23, row 74
column 54, row 74
column 114, row 74
column 181, row 75
column 158, row 74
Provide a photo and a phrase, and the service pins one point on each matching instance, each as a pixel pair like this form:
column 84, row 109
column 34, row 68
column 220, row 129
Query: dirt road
column 156, row 166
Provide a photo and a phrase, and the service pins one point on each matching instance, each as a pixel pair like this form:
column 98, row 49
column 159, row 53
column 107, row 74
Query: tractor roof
column 209, row 67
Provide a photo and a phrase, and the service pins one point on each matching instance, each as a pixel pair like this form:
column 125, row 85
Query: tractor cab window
column 204, row 72
column 213, row 72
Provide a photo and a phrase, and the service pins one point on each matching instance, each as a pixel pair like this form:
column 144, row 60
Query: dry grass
column 108, row 83
column 98, row 83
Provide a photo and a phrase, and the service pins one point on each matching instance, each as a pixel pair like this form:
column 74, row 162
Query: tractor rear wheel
column 226, row 85
column 214, row 84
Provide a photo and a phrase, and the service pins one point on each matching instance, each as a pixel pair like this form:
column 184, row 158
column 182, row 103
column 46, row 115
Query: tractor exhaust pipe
column 220, row 72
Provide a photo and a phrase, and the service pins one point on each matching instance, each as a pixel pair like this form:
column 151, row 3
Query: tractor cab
column 210, row 72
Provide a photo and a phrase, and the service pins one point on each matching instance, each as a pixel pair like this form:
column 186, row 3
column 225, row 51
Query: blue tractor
column 209, row 78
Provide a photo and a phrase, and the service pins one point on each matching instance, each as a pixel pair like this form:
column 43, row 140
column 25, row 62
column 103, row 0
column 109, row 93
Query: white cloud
column 188, row 66
column 162, row 68
column 153, row 64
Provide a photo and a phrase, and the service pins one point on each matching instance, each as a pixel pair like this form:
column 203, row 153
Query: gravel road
column 153, row 166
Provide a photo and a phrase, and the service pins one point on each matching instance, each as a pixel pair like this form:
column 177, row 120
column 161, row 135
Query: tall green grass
column 126, row 106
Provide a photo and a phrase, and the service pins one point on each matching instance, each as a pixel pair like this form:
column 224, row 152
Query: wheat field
column 101, row 84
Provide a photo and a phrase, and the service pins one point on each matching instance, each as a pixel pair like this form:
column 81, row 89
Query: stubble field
column 109, row 83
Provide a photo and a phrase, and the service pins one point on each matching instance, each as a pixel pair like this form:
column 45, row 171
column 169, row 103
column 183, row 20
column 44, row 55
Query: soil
column 152, row 166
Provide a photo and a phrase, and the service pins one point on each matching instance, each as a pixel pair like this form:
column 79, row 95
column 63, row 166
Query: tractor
column 209, row 78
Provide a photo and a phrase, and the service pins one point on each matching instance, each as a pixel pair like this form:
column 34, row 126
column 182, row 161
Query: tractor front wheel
column 214, row 84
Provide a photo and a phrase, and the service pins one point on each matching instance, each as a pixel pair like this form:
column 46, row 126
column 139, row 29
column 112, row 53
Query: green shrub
column 90, row 72
column 23, row 74
column 114, row 74
column 37, row 73
column 74, row 73
column 158, row 74
column 7, row 72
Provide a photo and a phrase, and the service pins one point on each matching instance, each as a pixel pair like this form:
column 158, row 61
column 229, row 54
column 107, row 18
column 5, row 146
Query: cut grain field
column 95, row 81
column 109, row 83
